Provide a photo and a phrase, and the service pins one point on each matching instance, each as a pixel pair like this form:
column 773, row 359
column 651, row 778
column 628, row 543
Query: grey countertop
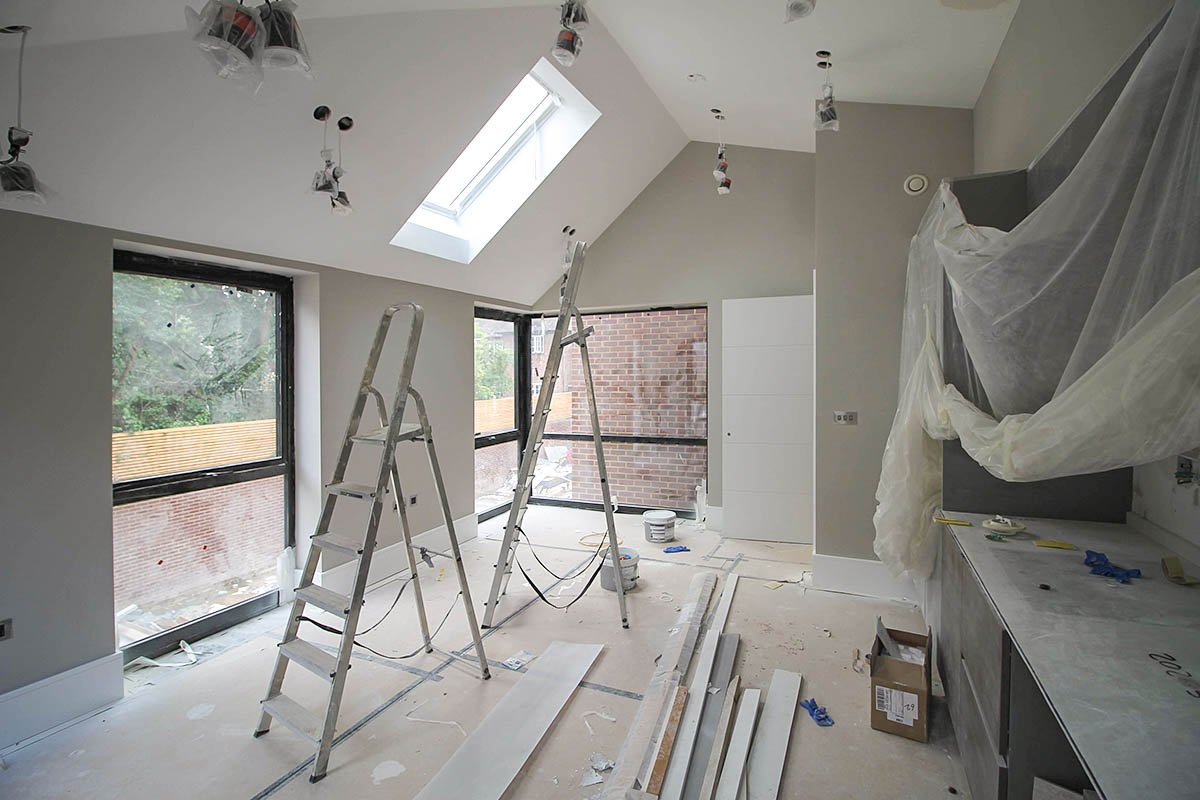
column 1104, row 654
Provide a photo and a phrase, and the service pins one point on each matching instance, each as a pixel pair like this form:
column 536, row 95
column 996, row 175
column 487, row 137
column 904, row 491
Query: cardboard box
column 899, row 687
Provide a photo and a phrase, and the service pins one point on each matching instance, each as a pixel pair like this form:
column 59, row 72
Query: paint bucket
column 660, row 526
column 629, row 570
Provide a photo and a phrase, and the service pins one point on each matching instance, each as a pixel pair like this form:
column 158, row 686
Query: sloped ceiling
column 137, row 133
column 763, row 73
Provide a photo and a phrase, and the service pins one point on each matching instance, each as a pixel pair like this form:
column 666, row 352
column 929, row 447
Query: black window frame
column 132, row 491
column 522, row 406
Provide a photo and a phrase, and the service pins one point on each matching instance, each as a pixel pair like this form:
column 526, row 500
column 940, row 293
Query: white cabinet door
column 767, row 358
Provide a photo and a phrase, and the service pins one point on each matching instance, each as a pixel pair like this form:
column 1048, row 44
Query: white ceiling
column 138, row 134
column 763, row 73
column 134, row 132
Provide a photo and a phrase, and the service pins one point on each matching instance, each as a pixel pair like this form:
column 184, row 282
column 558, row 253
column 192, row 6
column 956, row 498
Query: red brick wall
column 172, row 545
column 651, row 375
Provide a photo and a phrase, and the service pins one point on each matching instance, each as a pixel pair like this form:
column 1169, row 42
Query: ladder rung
column 357, row 491
column 311, row 657
column 339, row 544
column 325, row 599
column 294, row 715
column 408, row 432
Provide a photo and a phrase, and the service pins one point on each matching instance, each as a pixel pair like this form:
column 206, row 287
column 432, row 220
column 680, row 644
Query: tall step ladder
column 320, row 728
column 525, row 476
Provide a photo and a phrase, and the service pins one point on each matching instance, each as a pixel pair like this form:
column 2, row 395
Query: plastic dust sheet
column 1083, row 322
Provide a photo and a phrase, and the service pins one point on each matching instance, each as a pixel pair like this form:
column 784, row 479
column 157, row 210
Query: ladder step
column 325, row 599
column 339, row 544
column 311, row 657
column 357, row 491
column 294, row 715
column 408, row 432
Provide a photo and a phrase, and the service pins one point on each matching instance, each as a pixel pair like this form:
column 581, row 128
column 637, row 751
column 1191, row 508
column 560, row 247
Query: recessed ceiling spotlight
column 795, row 9
column 824, row 54
column 696, row 77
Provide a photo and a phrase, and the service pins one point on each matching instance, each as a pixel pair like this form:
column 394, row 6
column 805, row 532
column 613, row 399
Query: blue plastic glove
column 818, row 713
column 1102, row 566
column 678, row 548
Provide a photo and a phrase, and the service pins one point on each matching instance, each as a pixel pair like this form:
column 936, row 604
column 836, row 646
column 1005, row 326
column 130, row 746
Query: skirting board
column 860, row 576
column 1167, row 538
column 392, row 559
column 45, row 704
column 714, row 518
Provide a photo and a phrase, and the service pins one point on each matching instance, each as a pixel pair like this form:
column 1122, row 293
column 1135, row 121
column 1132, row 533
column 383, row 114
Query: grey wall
column 680, row 242
column 55, row 479
column 864, row 224
column 1055, row 54
column 55, row 418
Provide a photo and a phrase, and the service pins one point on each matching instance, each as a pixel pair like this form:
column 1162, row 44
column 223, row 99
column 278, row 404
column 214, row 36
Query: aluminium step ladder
column 526, row 473
column 320, row 728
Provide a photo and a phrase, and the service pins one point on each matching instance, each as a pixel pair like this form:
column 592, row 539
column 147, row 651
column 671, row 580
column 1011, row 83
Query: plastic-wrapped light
column 284, row 46
column 567, row 47
column 722, row 165
column 328, row 179
column 17, row 178
column 725, row 186
column 574, row 15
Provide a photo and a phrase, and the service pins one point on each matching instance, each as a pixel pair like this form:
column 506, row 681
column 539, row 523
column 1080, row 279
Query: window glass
column 495, row 475
column 194, row 376
column 495, row 371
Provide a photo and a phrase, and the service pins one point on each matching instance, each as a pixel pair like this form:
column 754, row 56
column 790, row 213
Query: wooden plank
column 714, row 701
column 721, row 615
column 487, row 762
column 720, row 740
column 764, row 768
column 689, row 724
column 666, row 743
column 739, row 746
column 636, row 752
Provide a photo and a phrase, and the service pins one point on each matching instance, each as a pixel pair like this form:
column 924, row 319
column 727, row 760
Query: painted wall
column 864, row 222
column 1055, row 54
column 56, row 322
column 680, row 242
column 1158, row 498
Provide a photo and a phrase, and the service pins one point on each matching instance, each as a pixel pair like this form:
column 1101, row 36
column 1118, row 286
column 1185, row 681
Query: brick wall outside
column 651, row 376
column 170, row 547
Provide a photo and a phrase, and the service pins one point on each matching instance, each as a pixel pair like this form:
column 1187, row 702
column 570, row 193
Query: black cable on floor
column 543, row 597
column 577, row 573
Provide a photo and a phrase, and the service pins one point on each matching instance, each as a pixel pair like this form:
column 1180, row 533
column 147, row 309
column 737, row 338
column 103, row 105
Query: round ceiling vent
column 915, row 185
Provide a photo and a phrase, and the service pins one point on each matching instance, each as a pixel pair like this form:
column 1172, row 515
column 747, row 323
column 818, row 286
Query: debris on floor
column 599, row 714
column 773, row 584
column 518, row 660
column 818, row 713
column 450, row 723
column 1102, row 566
column 190, row 658
column 858, row 663
column 677, row 548
column 1054, row 544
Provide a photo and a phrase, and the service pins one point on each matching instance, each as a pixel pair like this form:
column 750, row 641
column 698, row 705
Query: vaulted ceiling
column 133, row 131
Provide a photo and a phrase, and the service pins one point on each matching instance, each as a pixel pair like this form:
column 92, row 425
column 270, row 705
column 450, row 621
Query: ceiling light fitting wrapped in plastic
column 1083, row 322
column 283, row 46
column 240, row 40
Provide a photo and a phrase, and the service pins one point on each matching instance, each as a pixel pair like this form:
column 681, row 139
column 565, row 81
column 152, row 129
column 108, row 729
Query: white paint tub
column 660, row 526
column 629, row 570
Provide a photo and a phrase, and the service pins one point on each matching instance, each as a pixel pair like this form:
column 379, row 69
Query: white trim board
column 714, row 518
column 860, row 576
column 391, row 559
column 45, row 704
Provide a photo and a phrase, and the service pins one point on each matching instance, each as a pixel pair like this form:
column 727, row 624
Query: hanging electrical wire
column 17, row 178
column 826, row 118
column 328, row 179
column 721, row 172
column 573, row 574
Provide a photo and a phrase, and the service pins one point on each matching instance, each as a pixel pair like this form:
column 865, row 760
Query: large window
column 201, row 446
column 499, row 352
column 650, row 370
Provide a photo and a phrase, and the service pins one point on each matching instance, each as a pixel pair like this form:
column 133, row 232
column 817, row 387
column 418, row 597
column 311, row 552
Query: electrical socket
column 6, row 631
column 412, row 499
column 845, row 417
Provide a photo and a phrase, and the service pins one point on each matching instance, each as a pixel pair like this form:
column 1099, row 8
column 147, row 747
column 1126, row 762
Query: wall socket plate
column 845, row 417
column 6, row 629
column 412, row 499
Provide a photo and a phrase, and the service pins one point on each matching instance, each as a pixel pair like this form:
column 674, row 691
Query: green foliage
column 493, row 366
column 189, row 353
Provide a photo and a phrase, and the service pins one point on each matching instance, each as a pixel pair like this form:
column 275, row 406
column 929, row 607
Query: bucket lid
column 658, row 516
column 627, row 555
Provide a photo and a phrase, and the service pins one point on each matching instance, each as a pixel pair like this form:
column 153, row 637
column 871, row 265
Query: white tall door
column 767, row 359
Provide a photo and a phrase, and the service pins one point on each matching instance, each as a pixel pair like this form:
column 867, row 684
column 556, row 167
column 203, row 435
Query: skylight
column 517, row 148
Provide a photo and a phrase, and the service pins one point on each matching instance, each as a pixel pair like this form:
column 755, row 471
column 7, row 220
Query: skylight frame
column 520, row 136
